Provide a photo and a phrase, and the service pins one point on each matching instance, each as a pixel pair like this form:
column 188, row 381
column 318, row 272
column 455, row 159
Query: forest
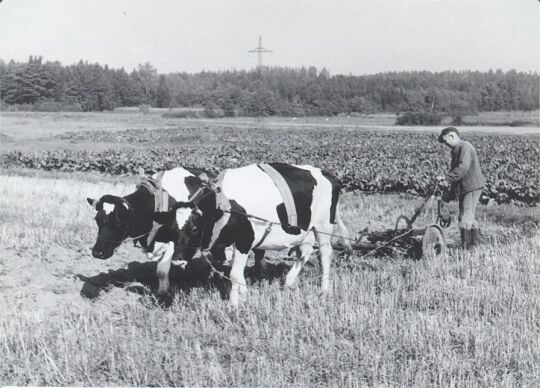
column 39, row 85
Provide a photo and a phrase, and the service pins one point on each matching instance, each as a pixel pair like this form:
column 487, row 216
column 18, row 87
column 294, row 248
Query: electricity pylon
column 260, row 50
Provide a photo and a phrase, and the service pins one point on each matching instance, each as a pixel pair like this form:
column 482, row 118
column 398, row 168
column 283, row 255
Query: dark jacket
column 465, row 174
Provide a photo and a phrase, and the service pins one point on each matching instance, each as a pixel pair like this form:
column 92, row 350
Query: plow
column 406, row 240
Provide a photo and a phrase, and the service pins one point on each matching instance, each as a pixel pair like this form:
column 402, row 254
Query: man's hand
column 445, row 189
column 441, row 180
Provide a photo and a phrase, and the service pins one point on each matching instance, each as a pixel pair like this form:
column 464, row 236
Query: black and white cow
column 251, row 192
column 131, row 217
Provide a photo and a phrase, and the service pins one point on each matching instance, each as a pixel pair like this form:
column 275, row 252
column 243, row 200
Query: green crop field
column 392, row 159
column 461, row 319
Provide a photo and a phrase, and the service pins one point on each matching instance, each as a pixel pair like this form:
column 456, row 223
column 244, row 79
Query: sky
column 345, row 36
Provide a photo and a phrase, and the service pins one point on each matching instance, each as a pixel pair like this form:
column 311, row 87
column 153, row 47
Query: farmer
column 466, row 183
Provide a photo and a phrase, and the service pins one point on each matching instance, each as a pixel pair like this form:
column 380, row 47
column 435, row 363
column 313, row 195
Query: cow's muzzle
column 102, row 255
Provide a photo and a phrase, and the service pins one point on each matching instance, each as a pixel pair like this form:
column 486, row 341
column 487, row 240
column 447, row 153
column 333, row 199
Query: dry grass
column 36, row 211
column 463, row 320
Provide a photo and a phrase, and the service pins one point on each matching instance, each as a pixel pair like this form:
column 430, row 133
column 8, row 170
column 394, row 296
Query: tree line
column 266, row 91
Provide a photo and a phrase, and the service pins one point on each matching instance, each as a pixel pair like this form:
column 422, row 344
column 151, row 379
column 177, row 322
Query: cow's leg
column 238, row 281
column 302, row 257
column 163, row 268
column 325, row 254
column 260, row 263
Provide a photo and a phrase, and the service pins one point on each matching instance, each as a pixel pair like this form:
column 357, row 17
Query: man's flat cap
column 446, row 131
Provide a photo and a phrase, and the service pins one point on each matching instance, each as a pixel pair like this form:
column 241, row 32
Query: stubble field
column 69, row 319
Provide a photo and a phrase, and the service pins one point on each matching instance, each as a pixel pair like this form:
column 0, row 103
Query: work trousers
column 467, row 209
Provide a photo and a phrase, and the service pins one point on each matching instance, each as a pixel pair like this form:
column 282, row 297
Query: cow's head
column 190, row 233
column 112, row 219
column 193, row 220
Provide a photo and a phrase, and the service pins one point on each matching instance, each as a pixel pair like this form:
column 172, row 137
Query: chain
column 283, row 224
column 221, row 274
column 126, row 239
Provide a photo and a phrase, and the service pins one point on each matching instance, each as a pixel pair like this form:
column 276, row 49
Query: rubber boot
column 476, row 236
column 465, row 238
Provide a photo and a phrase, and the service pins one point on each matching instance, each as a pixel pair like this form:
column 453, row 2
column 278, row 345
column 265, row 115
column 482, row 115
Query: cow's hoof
column 289, row 285
column 243, row 296
column 163, row 292
column 165, row 300
column 234, row 298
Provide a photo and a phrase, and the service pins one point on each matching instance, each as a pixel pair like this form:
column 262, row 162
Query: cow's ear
column 92, row 202
column 118, row 219
column 207, row 202
column 193, row 184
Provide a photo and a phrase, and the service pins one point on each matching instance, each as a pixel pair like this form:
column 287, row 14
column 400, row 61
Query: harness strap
column 218, row 227
column 266, row 233
column 161, row 203
column 284, row 190
column 149, row 184
column 223, row 204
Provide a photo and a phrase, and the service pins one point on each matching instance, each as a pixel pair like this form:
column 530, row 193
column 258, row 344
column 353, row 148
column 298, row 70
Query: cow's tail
column 343, row 233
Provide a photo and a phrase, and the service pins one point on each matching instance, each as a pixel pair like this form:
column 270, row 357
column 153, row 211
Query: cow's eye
column 100, row 218
column 116, row 222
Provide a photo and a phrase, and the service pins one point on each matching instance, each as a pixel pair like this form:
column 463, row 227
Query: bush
column 44, row 105
column 18, row 108
column 228, row 109
column 213, row 113
column 520, row 123
column 47, row 106
column 56, row 106
column 419, row 118
column 144, row 108
column 457, row 120
column 513, row 123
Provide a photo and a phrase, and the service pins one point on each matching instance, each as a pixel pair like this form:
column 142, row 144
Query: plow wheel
column 433, row 242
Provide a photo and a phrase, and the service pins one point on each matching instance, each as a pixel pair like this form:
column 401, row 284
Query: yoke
column 284, row 190
column 162, row 202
